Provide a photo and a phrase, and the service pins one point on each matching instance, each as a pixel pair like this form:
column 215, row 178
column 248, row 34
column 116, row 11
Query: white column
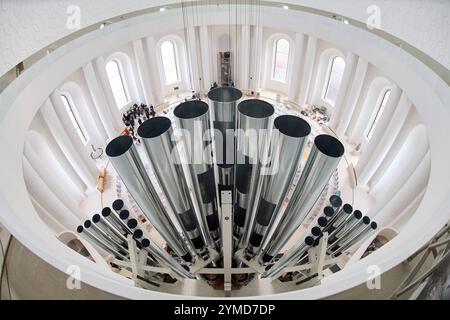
column 99, row 99
column 352, row 96
column 406, row 161
column 45, row 197
column 100, row 67
column 339, row 105
column 294, row 83
column 143, row 72
column 409, row 191
column 206, row 57
column 56, row 182
column 390, row 134
column 245, row 57
column 191, row 44
column 59, row 134
column 154, row 71
column 308, row 66
column 255, row 73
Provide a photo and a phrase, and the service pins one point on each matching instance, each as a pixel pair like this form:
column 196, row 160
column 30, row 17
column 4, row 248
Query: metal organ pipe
column 253, row 134
column 112, row 250
column 109, row 230
column 157, row 135
column 224, row 105
column 193, row 118
column 125, row 159
column 356, row 238
column 322, row 161
column 287, row 143
column 339, row 218
column 115, row 221
column 350, row 222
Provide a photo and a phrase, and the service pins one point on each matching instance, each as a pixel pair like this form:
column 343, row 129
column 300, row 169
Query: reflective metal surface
column 125, row 159
column 115, row 221
column 88, row 236
column 322, row 162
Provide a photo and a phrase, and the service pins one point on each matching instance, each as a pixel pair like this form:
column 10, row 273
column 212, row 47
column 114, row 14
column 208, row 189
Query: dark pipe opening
column 335, row 201
column 190, row 109
column 315, row 231
column 329, row 145
column 322, row 221
column 106, row 211
column 138, row 233
column 254, row 108
column 118, row 146
column 309, row 240
column 292, row 126
column 96, row 218
column 80, row 229
column 124, row 214
column 154, row 127
column 145, row 243
column 117, row 204
column 225, row 94
column 357, row 214
column 347, row 208
column 87, row 224
column 374, row 225
column 366, row 220
column 132, row 223
column 328, row 211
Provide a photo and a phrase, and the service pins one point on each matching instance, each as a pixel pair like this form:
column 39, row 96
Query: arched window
column 117, row 84
column 380, row 109
column 73, row 119
column 169, row 60
column 281, row 59
column 333, row 81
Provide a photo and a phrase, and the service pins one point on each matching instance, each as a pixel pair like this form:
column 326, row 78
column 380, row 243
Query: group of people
column 134, row 117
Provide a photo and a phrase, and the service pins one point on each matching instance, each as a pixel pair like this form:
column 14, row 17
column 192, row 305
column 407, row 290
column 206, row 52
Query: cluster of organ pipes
column 232, row 146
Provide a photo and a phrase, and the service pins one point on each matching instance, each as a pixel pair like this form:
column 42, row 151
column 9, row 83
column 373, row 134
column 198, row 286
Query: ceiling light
column 285, row 7
column 162, row 9
column 346, row 21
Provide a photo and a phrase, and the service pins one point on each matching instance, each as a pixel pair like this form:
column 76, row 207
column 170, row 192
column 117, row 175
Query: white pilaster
column 337, row 115
column 191, row 44
column 310, row 57
column 154, row 71
column 143, row 72
column 352, row 96
column 206, row 57
column 99, row 99
column 256, row 58
column 245, row 57
column 298, row 57
column 376, row 157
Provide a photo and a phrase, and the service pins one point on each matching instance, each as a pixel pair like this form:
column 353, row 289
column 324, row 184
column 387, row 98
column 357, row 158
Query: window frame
column 328, row 79
column 274, row 59
column 69, row 106
column 175, row 60
column 122, row 81
column 381, row 102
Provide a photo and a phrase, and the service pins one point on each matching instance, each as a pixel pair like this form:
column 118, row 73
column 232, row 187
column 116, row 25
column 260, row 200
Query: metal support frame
column 227, row 239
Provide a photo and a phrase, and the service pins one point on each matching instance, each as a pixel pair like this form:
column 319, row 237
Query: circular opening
column 309, row 241
column 347, row 208
column 87, row 224
column 328, row 211
column 292, row 126
column 190, row 109
column 124, row 214
column 138, row 234
column 357, row 214
column 117, row 204
column 322, row 221
column 374, row 225
column 315, row 231
column 80, row 229
column 118, row 146
column 132, row 223
column 329, row 145
column 106, row 211
column 366, row 220
column 154, row 127
column 96, row 218
column 254, row 108
column 335, row 201
column 225, row 94
column 145, row 243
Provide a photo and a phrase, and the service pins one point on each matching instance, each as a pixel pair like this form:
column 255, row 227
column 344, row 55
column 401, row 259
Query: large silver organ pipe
column 125, row 159
column 288, row 139
column 254, row 125
column 224, row 105
column 322, row 162
column 157, row 136
column 193, row 119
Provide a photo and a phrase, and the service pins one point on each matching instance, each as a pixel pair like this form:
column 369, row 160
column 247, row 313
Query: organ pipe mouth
column 366, row 220
column 87, row 224
column 347, row 208
column 124, row 214
column 154, row 127
column 328, row 211
column 315, row 231
column 118, row 146
column 357, row 214
column 96, row 218
column 254, row 108
column 329, row 145
column 335, row 201
column 309, row 240
column 292, row 126
column 132, row 223
column 225, row 94
column 106, row 211
column 373, row 225
column 80, row 229
column 118, row 204
column 191, row 109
